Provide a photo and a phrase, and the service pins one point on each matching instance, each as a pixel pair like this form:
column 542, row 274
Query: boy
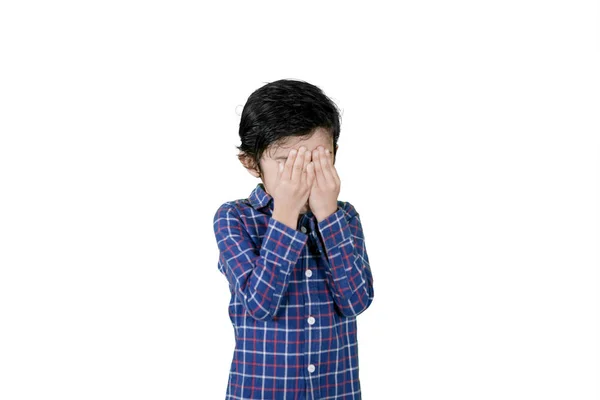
column 293, row 254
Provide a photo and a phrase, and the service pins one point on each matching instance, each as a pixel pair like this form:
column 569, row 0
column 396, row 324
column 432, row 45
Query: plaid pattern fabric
column 295, row 295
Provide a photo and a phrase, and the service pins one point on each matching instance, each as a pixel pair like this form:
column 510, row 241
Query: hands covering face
column 325, row 184
column 294, row 180
column 309, row 176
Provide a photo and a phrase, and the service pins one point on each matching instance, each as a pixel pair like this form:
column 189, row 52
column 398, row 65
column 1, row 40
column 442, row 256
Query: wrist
column 286, row 216
column 321, row 215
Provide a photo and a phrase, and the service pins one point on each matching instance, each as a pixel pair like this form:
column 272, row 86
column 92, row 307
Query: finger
column 332, row 166
column 325, row 165
column 320, row 179
column 289, row 164
column 310, row 174
column 307, row 155
column 298, row 164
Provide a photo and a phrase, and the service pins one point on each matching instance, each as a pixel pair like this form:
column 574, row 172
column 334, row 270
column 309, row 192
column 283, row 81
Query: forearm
column 258, row 275
column 347, row 270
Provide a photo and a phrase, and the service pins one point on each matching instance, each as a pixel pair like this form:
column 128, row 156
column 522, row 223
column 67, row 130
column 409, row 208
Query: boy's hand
column 326, row 185
column 294, row 181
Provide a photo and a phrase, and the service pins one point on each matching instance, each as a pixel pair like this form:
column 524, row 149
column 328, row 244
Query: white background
column 469, row 146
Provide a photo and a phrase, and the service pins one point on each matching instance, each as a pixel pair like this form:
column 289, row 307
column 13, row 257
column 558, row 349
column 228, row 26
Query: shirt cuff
column 283, row 241
column 335, row 230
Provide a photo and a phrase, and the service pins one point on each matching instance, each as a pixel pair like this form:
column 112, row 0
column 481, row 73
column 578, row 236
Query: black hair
column 281, row 109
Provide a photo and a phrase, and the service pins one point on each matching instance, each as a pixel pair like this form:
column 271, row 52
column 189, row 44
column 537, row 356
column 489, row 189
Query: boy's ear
column 249, row 164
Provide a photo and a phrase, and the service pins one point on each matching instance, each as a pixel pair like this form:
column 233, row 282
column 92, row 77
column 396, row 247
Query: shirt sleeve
column 347, row 271
column 259, row 275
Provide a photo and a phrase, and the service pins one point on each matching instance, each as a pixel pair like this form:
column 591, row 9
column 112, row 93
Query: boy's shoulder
column 232, row 205
column 348, row 208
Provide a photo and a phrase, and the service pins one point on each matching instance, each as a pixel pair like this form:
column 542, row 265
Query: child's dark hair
column 281, row 109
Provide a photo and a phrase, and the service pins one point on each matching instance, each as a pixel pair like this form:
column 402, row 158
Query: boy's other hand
column 326, row 184
column 294, row 180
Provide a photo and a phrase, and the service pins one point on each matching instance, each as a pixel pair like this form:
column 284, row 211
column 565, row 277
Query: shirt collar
column 260, row 198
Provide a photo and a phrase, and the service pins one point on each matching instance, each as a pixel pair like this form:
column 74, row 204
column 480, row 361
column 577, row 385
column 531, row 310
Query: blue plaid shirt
column 295, row 295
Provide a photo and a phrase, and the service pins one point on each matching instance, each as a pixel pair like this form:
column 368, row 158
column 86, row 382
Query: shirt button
column 303, row 229
column 311, row 320
column 308, row 273
column 311, row 368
